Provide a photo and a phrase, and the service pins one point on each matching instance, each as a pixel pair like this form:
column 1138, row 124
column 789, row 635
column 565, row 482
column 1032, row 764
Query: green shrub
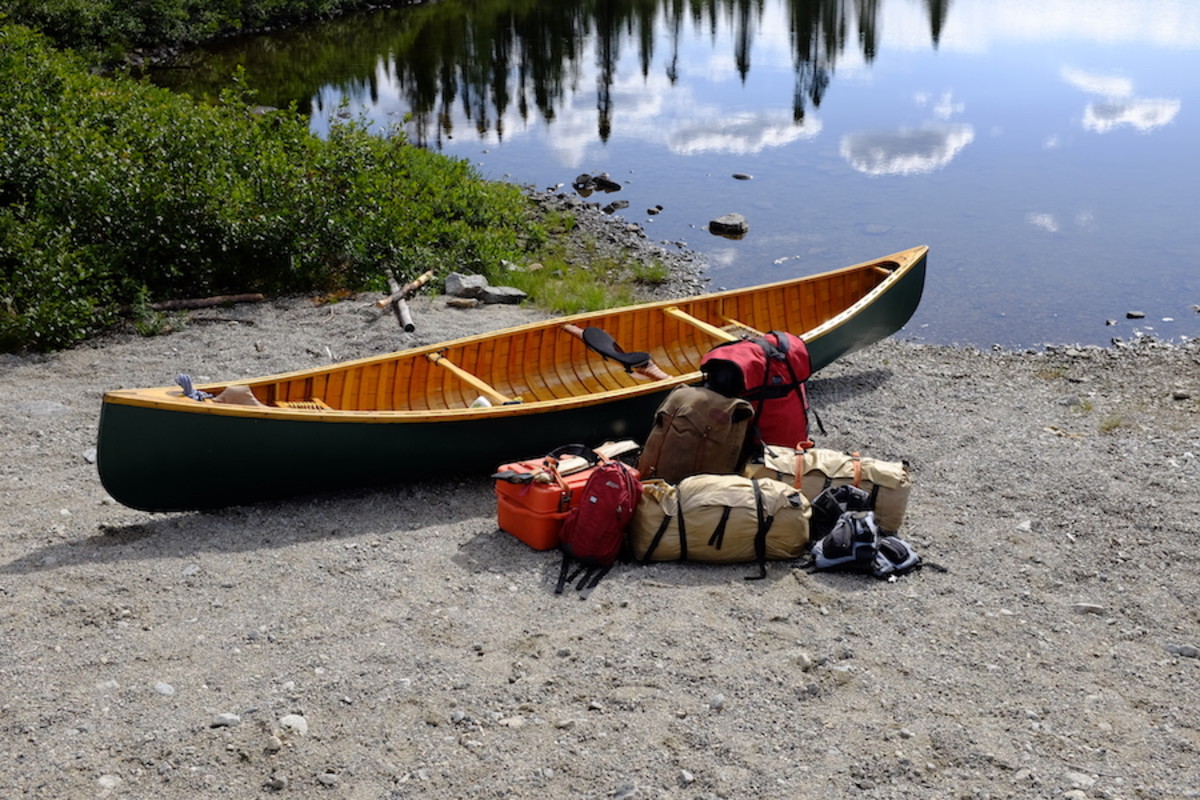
column 111, row 190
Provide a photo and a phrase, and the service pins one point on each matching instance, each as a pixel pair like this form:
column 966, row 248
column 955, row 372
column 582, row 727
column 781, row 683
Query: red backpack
column 594, row 531
column 769, row 371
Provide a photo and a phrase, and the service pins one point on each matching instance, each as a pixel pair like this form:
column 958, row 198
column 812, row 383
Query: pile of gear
column 727, row 474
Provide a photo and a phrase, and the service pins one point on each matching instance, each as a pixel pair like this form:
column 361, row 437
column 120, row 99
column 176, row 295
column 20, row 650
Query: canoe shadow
column 346, row 516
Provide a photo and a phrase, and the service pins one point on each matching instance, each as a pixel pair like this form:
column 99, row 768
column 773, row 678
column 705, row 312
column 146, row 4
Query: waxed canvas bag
column 719, row 518
column 888, row 483
column 696, row 431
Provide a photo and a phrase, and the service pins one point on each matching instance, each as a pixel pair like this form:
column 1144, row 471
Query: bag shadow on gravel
column 843, row 388
column 403, row 510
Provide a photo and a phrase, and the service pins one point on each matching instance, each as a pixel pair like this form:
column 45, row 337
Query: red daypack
column 594, row 531
column 769, row 371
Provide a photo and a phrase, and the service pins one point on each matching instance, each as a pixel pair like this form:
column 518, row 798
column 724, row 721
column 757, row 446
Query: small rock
column 729, row 225
column 741, row 176
column 513, row 722
column 1135, row 315
column 273, row 744
column 327, row 779
column 165, row 689
column 89, row 455
column 502, row 294
column 294, row 723
column 462, row 302
column 1181, row 394
column 717, row 702
column 686, row 778
column 277, row 782
column 1088, row 608
column 627, row 792
column 1183, row 650
column 226, row 720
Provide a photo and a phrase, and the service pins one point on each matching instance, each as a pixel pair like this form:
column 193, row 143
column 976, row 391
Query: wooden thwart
column 469, row 379
column 711, row 330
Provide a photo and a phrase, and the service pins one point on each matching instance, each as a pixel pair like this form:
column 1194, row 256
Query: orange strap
column 802, row 449
column 857, row 459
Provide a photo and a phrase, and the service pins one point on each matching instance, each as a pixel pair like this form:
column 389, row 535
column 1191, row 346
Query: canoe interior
column 543, row 363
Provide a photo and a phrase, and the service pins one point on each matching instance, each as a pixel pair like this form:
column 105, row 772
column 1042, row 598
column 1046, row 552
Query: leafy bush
column 115, row 26
column 112, row 190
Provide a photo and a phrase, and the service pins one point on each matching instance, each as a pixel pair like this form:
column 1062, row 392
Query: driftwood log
column 206, row 302
column 398, row 299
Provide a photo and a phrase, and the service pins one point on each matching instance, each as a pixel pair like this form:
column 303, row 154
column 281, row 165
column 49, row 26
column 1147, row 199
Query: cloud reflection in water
column 906, row 151
column 743, row 134
column 1119, row 106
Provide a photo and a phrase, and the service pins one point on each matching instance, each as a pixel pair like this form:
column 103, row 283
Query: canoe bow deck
column 409, row 414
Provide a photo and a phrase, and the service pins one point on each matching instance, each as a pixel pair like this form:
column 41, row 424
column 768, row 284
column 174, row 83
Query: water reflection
column 988, row 116
column 1120, row 108
column 906, row 152
column 446, row 61
column 741, row 134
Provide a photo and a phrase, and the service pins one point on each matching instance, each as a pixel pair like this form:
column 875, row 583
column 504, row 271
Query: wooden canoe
column 409, row 414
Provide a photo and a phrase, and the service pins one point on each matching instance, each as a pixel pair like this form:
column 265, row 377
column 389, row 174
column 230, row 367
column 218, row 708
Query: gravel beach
column 394, row 643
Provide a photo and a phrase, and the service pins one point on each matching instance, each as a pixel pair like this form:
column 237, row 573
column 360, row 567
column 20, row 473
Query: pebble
column 1183, row 650
column 1181, row 394
column 89, row 455
column 1087, row 608
column 717, row 702
column 1135, row 315
column 686, row 777
column 277, row 782
column 225, row 720
column 294, row 723
column 328, row 779
column 165, row 689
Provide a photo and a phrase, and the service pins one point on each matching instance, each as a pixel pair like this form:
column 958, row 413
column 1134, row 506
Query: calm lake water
column 1048, row 152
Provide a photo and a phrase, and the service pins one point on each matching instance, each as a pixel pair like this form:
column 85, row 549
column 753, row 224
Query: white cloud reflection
column 1144, row 114
column 906, row 151
column 742, row 134
column 1119, row 108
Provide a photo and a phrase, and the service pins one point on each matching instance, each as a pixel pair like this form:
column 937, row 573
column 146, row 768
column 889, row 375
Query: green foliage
column 113, row 191
column 115, row 26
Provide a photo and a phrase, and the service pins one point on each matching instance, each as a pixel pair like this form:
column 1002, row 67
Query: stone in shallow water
column 729, row 225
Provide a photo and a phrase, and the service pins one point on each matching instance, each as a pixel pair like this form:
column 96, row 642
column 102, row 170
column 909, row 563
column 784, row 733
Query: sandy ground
column 394, row 644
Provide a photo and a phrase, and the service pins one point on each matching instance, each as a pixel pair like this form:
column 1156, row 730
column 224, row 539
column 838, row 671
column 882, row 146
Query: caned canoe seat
column 312, row 404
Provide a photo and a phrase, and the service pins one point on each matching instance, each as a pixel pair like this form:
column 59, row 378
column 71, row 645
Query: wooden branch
column 399, row 306
column 403, row 292
column 206, row 302
column 404, row 316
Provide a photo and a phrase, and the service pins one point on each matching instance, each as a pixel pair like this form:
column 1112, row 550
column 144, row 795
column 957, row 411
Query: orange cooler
column 533, row 508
